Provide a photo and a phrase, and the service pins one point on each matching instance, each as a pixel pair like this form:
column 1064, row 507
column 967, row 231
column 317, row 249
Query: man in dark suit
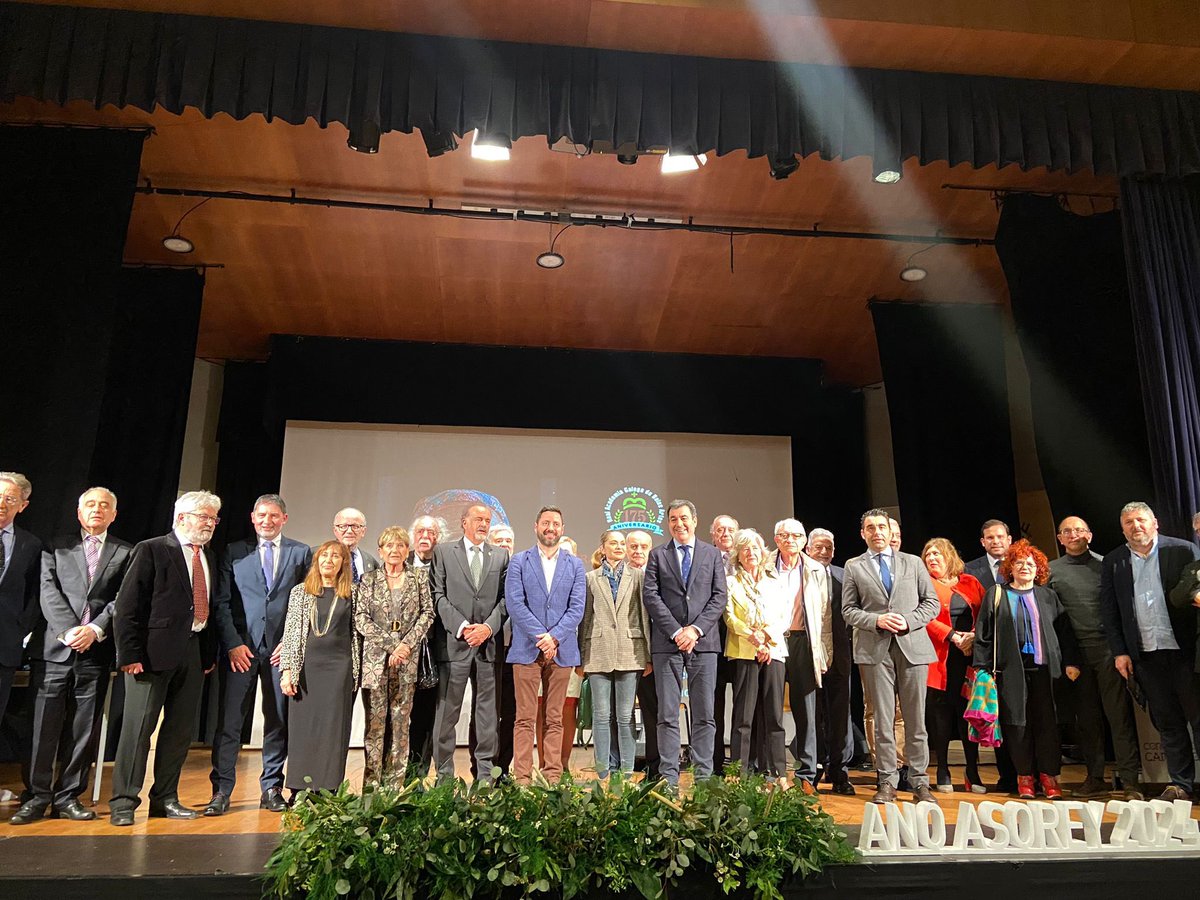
column 20, row 570
column 256, row 577
column 888, row 599
column 638, row 544
column 684, row 593
column 165, row 646
column 995, row 538
column 1151, row 640
column 349, row 527
column 72, row 656
column 722, row 530
column 544, row 597
column 835, row 738
column 467, row 583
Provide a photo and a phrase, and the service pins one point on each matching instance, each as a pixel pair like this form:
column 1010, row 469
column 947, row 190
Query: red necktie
column 199, row 587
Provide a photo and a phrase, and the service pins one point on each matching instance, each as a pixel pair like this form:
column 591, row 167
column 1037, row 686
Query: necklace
column 312, row 617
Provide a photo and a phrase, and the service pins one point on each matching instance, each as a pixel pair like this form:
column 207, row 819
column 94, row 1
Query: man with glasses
column 20, row 569
column 1099, row 692
column 349, row 527
column 165, row 647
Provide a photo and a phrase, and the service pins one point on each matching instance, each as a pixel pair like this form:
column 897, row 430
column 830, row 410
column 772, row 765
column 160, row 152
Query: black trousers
column 945, row 723
column 647, row 696
column 725, row 677
column 174, row 693
column 420, row 730
column 237, row 700
column 758, row 694
column 506, row 714
column 835, row 736
column 1169, row 683
column 1099, row 694
column 1034, row 747
column 67, row 708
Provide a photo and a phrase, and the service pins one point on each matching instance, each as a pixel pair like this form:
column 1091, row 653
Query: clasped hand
column 687, row 638
column 893, row 622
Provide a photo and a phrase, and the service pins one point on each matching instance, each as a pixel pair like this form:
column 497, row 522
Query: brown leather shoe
column 1174, row 792
column 922, row 794
column 885, row 794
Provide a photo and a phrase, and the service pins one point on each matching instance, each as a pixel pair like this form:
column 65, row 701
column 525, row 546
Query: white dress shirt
column 185, row 545
column 549, row 565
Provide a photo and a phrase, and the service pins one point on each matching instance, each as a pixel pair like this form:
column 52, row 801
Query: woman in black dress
column 319, row 664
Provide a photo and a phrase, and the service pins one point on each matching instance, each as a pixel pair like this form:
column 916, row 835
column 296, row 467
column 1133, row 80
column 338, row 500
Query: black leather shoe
column 845, row 788
column 30, row 811
column 75, row 811
column 172, row 809
column 218, row 805
column 272, row 799
column 121, row 817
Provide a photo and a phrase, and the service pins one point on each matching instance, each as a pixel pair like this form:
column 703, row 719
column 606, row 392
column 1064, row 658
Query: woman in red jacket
column 953, row 636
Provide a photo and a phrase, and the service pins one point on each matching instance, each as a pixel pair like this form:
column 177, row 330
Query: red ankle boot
column 1050, row 787
column 1025, row 787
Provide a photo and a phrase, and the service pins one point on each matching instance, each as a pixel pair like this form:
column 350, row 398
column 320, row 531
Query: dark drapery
column 374, row 82
column 665, row 392
column 943, row 368
column 145, row 405
column 66, row 196
column 1066, row 280
column 1162, row 248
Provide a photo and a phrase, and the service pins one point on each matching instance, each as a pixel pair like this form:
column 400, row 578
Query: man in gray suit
column 888, row 599
column 72, row 656
column 467, row 583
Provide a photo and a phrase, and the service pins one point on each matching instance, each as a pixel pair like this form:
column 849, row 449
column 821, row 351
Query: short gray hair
column 499, row 528
column 433, row 523
column 745, row 538
column 679, row 504
column 782, row 522
column 20, row 481
column 819, row 533
column 713, row 526
column 1136, row 506
column 111, row 495
column 194, row 500
column 274, row 500
column 633, row 531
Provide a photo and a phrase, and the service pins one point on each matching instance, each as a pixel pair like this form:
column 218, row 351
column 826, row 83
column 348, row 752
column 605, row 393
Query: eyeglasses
column 790, row 535
column 10, row 500
column 1074, row 531
column 349, row 527
column 205, row 518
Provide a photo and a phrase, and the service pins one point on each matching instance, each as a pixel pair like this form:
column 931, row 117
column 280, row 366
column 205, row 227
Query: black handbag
column 427, row 674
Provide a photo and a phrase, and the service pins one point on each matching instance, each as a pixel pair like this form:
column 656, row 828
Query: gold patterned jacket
column 385, row 621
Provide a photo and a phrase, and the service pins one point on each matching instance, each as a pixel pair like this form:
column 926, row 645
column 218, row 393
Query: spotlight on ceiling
column 488, row 148
column 887, row 176
column 912, row 272
column 177, row 243
column 682, row 162
column 438, row 142
column 550, row 260
column 627, row 159
column 784, row 166
column 364, row 138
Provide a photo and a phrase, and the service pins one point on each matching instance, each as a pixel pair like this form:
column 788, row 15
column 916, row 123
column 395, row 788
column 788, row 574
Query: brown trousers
column 553, row 681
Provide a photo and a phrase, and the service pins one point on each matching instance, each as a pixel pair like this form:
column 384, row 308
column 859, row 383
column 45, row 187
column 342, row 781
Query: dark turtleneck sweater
column 1076, row 580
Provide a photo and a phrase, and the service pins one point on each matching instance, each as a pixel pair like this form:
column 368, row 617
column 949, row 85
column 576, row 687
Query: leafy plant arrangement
column 565, row 839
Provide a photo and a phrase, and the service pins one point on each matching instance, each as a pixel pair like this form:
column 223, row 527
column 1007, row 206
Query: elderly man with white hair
column 20, row 570
column 835, row 735
column 425, row 533
column 165, row 647
column 809, row 639
column 350, row 527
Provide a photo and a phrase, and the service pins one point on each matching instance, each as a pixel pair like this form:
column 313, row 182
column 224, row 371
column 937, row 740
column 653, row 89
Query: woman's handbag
column 983, row 702
column 427, row 674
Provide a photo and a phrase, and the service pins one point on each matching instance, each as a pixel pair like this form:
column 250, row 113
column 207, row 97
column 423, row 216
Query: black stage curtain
column 653, row 392
column 374, row 82
column 67, row 195
column 1066, row 280
column 1162, row 247
column 943, row 368
column 144, row 411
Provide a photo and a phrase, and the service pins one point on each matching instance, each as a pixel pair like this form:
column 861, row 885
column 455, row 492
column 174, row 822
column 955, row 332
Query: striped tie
column 91, row 553
column 199, row 587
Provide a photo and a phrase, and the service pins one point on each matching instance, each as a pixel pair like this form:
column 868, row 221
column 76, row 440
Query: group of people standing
column 410, row 628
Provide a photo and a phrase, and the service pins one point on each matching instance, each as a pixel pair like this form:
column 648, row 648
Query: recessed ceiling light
column 550, row 260
column 888, row 176
column 912, row 273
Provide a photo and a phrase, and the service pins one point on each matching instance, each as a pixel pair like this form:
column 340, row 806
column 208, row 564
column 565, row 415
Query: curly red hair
column 1019, row 550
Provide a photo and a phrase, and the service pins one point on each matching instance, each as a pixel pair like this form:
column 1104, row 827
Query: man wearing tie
column 425, row 534
column 684, row 593
column 256, row 577
column 544, row 597
column 996, row 539
column 467, row 583
column 888, row 599
column 20, row 568
column 349, row 527
column 72, row 656
column 165, row 647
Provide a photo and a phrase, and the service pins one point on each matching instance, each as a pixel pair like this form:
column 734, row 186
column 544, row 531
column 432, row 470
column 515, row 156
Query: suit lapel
column 460, row 552
column 80, row 559
column 107, row 551
column 560, row 572
column 873, row 568
column 673, row 553
column 176, row 551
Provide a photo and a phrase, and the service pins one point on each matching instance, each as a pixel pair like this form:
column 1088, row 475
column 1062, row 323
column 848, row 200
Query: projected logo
column 634, row 507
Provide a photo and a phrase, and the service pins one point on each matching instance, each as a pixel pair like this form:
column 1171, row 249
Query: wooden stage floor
column 245, row 817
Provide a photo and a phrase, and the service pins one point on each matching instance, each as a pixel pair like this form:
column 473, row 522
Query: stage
column 221, row 857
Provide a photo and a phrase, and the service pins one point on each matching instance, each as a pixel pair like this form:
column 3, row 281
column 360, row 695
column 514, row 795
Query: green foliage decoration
column 567, row 840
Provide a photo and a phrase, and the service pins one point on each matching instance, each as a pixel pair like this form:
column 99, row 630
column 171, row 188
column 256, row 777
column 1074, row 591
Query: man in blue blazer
column 257, row 576
column 684, row 593
column 544, row 592
column 1151, row 640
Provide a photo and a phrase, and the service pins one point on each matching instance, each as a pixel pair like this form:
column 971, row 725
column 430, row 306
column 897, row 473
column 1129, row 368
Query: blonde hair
column 343, row 583
column 747, row 537
column 954, row 563
column 394, row 533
